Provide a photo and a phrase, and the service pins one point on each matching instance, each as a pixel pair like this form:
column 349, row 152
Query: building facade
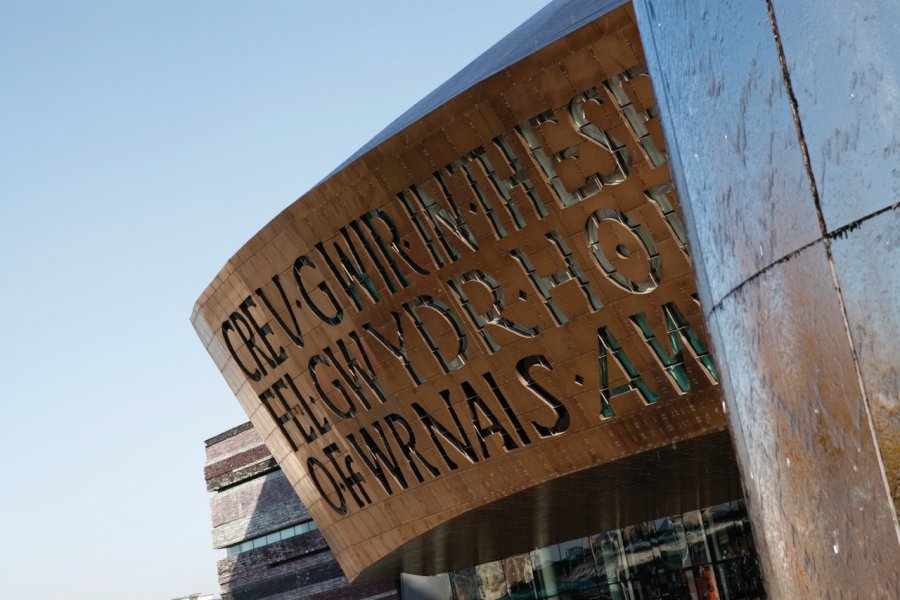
column 492, row 329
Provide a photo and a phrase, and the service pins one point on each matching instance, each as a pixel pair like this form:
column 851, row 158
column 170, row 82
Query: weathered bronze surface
column 790, row 203
column 497, row 297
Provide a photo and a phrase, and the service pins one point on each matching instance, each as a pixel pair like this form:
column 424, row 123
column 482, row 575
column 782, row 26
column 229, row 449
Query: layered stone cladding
column 251, row 498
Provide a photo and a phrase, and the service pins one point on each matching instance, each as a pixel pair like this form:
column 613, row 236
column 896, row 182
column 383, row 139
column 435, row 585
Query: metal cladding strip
column 494, row 298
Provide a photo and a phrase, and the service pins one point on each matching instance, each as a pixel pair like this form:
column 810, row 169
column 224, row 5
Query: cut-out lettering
column 523, row 368
column 611, row 351
column 435, row 428
column 491, row 316
column 398, row 349
column 406, row 440
column 414, row 306
column 680, row 334
column 636, row 231
column 478, row 409
column 377, row 457
column 337, row 314
column 572, row 270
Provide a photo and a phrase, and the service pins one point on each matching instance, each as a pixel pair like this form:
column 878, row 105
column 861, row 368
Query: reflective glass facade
column 704, row 554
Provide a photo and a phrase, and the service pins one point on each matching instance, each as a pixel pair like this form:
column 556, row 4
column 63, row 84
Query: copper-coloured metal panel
column 498, row 296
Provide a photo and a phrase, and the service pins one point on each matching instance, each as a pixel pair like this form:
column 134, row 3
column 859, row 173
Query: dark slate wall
column 252, row 497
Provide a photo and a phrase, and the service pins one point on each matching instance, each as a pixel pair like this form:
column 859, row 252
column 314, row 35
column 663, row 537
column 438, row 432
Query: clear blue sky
column 142, row 143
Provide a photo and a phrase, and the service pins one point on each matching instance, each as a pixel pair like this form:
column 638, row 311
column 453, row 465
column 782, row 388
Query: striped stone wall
column 251, row 498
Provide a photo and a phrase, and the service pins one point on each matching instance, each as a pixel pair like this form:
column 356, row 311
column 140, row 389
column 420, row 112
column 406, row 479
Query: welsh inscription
column 444, row 309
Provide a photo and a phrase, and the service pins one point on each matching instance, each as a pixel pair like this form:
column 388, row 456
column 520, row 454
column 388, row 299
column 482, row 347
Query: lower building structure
column 275, row 552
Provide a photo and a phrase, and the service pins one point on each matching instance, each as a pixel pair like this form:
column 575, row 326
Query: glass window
column 672, row 543
column 609, row 556
column 465, row 584
column 491, row 581
column 622, row 591
column 641, row 551
column 547, row 568
column 675, row 584
column 706, row 554
column 519, row 577
column 728, row 530
column 705, row 582
column 578, row 568
column 695, row 536
column 741, row 577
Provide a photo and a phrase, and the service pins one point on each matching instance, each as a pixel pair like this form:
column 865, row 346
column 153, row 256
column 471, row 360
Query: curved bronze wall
column 496, row 297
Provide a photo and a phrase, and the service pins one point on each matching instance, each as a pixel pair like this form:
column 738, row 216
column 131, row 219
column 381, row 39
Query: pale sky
column 141, row 144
